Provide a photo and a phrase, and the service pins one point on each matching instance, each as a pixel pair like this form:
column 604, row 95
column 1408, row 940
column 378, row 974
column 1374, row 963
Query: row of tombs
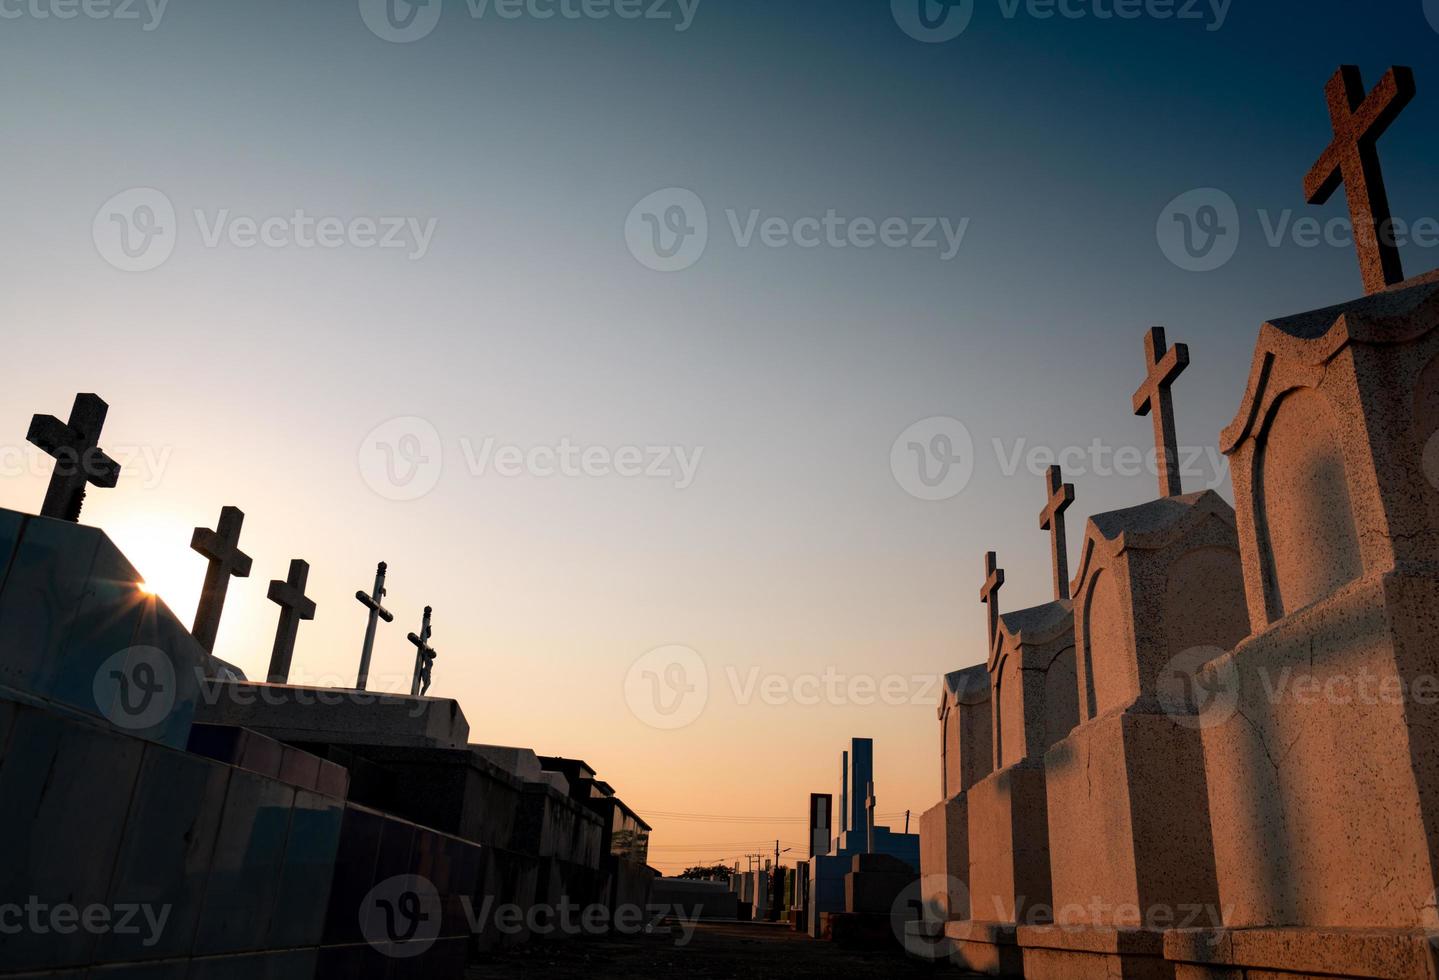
column 165, row 818
column 1220, row 757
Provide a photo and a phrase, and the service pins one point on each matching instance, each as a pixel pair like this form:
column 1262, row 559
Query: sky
column 622, row 338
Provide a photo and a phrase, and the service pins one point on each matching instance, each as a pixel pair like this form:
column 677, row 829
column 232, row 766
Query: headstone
column 1352, row 161
column 222, row 547
column 1034, row 703
column 295, row 607
column 1159, row 593
column 821, row 826
column 1154, row 399
column 1322, row 756
column 78, row 459
column 869, row 805
column 424, row 657
column 372, row 602
column 1051, row 519
column 966, row 757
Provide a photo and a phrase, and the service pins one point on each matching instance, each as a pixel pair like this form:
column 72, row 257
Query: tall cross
column 1353, row 160
column 294, row 607
column 989, row 595
column 1051, row 519
column 869, row 805
column 377, row 613
column 1164, row 364
column 78, row 459
column 222, row 547
column 424, row 657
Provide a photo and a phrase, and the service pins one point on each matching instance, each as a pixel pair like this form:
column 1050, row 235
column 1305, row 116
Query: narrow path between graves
column 748, row 951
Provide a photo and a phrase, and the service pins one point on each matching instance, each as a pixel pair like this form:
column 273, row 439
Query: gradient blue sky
column 258, row 372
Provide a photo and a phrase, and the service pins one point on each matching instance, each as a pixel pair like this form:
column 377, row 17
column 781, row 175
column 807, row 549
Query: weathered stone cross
column 78, row 460
column 869, row 805
column 1353, row 160
column 294, row 607
column 377, row 613
column 1153, row 398
column 1051, row 519
column 222, row 547
column 424, row 657
column 989, row 595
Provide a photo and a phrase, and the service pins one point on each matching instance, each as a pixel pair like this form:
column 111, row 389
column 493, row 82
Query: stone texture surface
column 293, row 713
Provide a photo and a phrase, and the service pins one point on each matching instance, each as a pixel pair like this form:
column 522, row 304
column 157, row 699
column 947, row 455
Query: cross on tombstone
column 1051, row 519
column 869, row 805
column 1164, row 363
column 222, row 547
column 377, row 613
column 424, row 657
column 294, row 607
column 989, row 595
column 78, row 459
column 1353, row 161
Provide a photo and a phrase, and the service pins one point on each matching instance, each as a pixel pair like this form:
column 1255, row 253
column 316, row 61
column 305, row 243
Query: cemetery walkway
column 717, row 951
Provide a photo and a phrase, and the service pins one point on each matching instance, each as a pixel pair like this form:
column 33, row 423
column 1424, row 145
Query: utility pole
column 906, row 821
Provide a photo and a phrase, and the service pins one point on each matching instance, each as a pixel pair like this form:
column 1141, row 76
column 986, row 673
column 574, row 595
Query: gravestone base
column 1094, row 953
column 1322, row 795
column 1301, row 954
column 1009, row 847
column 989, row 948
column 944, row 859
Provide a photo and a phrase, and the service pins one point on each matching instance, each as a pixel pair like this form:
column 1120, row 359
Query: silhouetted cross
column 869, row 805
column 377, row 613
column 222, row 547
column 1051, row 519
column 1353, row 160
column 294, row 607
column 1153, row 398
column 424, row 657
column 78, row 460
column 989, row 595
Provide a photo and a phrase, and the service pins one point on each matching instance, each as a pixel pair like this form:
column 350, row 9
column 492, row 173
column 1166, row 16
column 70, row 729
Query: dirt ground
column 742, row 951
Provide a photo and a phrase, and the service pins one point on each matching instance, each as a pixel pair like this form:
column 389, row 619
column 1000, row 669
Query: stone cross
column 1153, row 398
column 377, row 613
column 1051, row 519
column 78, row 460
column 222, row 547
column 1353, row 161
column 294, row 607
column 424, row 657
column 989, row 595
column 869, row 805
